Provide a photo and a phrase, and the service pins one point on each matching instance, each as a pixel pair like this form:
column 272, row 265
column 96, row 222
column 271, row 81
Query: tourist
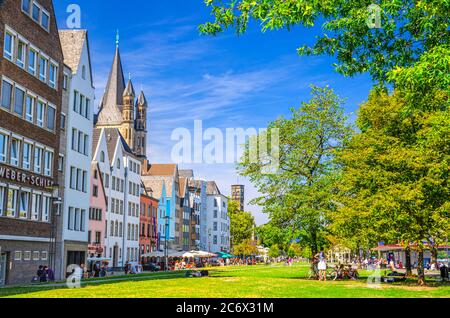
column 41, row 274
column 322, row 265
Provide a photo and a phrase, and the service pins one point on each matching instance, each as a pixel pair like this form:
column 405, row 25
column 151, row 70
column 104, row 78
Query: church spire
column 110, row 112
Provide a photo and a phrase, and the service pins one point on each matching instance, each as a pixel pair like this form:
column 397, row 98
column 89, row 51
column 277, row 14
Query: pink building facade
column 97, row 214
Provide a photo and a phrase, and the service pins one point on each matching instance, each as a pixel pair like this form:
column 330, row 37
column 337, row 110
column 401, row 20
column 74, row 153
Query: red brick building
column 31, row 80
column 149, row 225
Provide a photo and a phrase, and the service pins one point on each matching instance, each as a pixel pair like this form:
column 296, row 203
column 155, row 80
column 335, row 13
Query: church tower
column 127, row 129
column 141, row 125
column 119, row 109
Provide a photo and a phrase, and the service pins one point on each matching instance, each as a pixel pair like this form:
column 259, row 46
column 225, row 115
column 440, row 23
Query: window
column 36, row 13
column 37, row 160
column 48, row 163
column 52, row 75
column 23, row 206
column 61, row 163
column 82, row 219
column 88, row 108
column 36, row 207
column 74, row 139
column 18, row 255
column 18, row 101
column 8, row 46
column 43, row 69
column 26, row 156
column 46, row 209
column 21, row 53
column 40, row 114
column 86, row 145
column 11, row 203
column 6, row 95
column 83, row 72
column 2, row 200
column 32, row 62
column 84, row 189
column 15, row 150
column 36, row 255
column 63, row 122
column 65, row 81
column 27, row 256
column 26, row 6
column 45, row 21
column 215, row 226
column 82, row 105
column 51, row 114
column 102, row 156
column 73, row 183
column 95, row 191
column 44, row 256
column 29, row 108
column 75, row 101
column 71, row 218
column 80, row 142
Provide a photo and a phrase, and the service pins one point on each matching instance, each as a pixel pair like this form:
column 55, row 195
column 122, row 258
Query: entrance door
column 2, row 269
column 115, row 255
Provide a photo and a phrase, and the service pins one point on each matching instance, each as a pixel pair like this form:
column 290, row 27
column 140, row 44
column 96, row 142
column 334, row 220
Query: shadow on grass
column 22, row 290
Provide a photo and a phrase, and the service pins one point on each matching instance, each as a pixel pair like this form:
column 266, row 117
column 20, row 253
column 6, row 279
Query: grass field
column 231, row 282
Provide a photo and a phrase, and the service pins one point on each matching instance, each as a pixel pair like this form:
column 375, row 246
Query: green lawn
column 232, row 282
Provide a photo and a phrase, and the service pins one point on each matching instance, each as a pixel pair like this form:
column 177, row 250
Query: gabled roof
column 112, row 136
column 183, row 183
column 186, row 173
column 72, row 42
column 212, row 188
column 110, row 112
column 155, row 186
column 162, row 170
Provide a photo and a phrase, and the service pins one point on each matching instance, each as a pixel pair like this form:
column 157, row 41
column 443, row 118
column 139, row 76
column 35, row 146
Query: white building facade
column 217, row 220
column 120, row 171
column 76, row 161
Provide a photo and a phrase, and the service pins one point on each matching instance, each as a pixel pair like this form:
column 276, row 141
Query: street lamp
column 56, row 203
column 166, row 246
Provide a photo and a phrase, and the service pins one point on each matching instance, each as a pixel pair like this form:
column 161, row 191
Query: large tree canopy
column 408, row 28
column 298, row 197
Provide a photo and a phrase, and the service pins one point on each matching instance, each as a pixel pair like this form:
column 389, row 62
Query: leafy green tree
column 408, row 28
column 394, row 182
column 246, row 248
column 295, row 250
column 270, row 234
column 274, row 251
column 242, row 224
column 299, row 196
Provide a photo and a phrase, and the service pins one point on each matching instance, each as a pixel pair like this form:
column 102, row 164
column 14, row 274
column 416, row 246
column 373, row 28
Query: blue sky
column 226, row 81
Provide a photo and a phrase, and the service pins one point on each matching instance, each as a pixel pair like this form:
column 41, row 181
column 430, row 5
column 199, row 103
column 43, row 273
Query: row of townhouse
column 193, row 213
column 76, row 185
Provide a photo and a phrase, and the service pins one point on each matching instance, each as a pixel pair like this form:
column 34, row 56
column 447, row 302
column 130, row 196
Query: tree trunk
column 420, row 269
column 434, row 257
column 408, row 262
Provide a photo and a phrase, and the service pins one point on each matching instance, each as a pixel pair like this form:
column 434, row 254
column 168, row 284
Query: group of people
column 44, row 275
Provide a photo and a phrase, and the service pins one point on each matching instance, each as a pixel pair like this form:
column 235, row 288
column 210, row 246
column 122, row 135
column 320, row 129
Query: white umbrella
column 189, row 255
column 203, row 254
